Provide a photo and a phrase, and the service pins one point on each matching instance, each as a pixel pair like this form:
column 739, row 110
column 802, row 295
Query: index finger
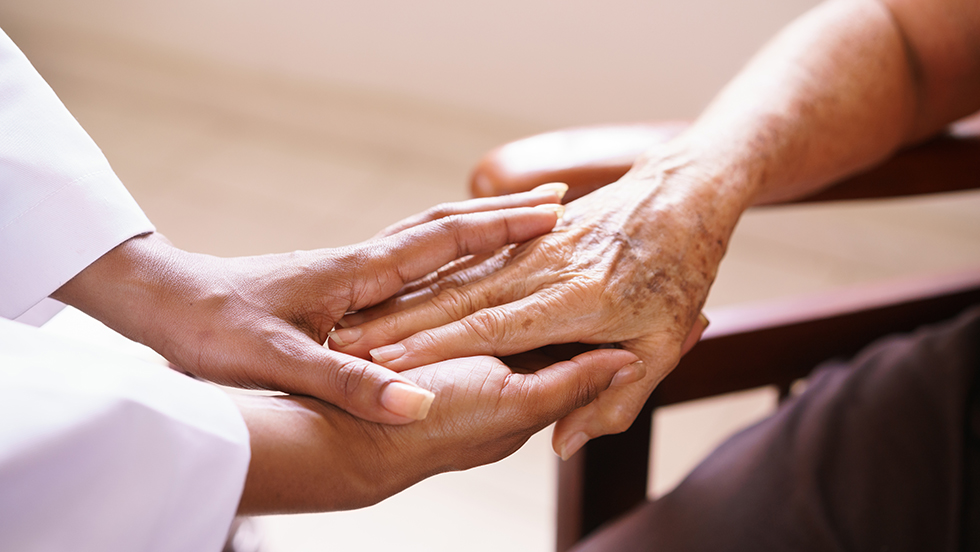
column 386, row 265
column 545, row 193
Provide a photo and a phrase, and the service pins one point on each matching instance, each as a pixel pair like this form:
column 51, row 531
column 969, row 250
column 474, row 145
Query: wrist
column 309, row 456
column 691, row 171
column 693, row 189
column 125, row 288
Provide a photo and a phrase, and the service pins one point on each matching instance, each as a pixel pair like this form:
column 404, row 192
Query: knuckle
column 353, row 257
column 360, row 264
column 454, row 302
column 586, row 392
column 617, row 418
column 387, row 326
column 549, row 249
column 423, row 342
column 487, row 326
column 456, row 225
column 438, row 286
column 519, row 389
column 348, row 380
column 452, row 222
column 440, row 211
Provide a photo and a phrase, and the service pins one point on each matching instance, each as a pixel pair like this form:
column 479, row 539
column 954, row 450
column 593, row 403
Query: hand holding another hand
column 310, row 456
column 261, row 322
column 630, row 263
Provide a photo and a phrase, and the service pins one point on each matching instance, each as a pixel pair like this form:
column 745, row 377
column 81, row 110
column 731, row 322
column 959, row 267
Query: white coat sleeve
column 103, row 452
column 61, row 205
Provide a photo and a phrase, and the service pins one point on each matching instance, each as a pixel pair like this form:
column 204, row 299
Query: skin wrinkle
column 455, row 303
column 475, row 272
column 480, row 268
column 443, row 273
column 348, row 378
column 487, row 326
column 510, row 388
column 644, row 284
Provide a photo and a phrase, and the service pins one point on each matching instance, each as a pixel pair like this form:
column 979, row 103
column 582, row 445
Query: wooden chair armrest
column 587, row 158
column 778, row 342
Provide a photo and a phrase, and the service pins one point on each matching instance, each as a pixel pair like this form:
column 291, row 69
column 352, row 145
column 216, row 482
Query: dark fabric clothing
column 881, row 453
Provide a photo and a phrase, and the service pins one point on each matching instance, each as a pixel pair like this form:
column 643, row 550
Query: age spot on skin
column 657, row 282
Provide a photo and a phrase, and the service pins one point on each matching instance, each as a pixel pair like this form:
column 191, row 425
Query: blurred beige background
column 244, row 126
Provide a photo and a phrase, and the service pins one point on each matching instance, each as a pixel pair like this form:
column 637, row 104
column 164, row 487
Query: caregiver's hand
column 261, row 321
column 308, row 456
column 630, row 263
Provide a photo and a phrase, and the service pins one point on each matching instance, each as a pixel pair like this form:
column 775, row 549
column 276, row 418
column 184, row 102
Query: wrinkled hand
column 261, row 321
column 630, row 263
column 309, row 456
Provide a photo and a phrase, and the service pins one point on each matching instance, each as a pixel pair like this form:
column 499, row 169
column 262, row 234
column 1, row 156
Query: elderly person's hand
column 261, row 321
column 630, row 263
column 836, row 92
column 310, row 456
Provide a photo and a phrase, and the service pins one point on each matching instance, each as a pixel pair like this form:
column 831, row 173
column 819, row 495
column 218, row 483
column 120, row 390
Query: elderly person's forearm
column 837, row 91
column 840, row 89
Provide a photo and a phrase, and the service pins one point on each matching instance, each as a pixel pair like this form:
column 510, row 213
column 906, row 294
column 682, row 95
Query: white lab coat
column 97, row 451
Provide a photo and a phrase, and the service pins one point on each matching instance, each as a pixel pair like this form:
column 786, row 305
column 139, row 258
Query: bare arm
column 838, row 90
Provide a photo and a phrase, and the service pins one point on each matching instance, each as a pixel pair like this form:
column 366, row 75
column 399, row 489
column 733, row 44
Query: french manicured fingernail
column 572, row 444
column 343, row 323
column 558, row 209
column 704, row 320
column 629, row 374
column 559, row 189
column 388, row 352
column 407, row 400
column 345, row 336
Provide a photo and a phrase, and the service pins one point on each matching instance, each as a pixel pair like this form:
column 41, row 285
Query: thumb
column 561, row 388
column 359, row 387
column 694, row 336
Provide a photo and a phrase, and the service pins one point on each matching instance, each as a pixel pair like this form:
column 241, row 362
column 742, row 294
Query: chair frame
column 774, row 343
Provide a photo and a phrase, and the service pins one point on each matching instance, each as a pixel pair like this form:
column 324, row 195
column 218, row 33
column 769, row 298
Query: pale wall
column 545, row 62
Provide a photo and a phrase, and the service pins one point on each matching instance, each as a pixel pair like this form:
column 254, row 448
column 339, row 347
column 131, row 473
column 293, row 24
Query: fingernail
column 407, row 400
column 345, row 336
column 559, row 188
column 343, row 323
column 629, row 374
column 388, row 352
column 704, row 319
column 558, row 209
column 572, row 444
